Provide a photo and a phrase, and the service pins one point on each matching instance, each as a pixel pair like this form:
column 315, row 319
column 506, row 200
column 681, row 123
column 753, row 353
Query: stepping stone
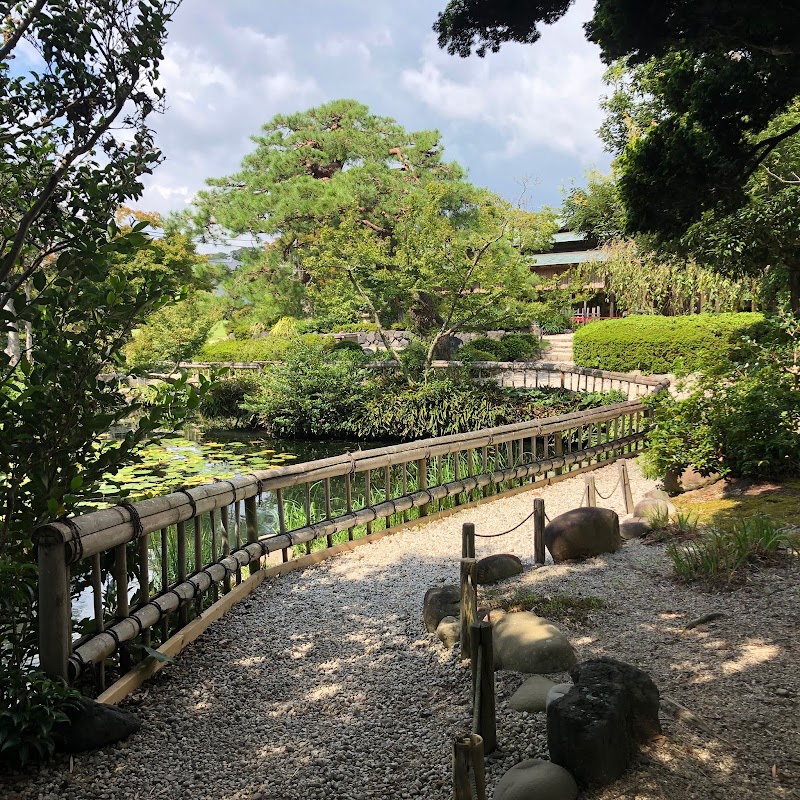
column 536, row 778
column 532, row 695
column 498, row 567
column 526, row 643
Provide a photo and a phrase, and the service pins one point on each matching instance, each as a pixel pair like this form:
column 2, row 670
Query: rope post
column 468, row 540
column 626, row 486
column 591, row 492
column 468, row 768
column 538, row 531
column 484, row 721
column 55, row 624
column 469, row 602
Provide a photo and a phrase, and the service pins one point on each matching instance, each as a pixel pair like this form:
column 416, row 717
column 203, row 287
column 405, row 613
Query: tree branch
column 23, row 26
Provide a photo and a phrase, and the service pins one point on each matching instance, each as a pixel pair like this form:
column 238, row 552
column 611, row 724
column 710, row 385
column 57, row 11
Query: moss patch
column 560, row 607
column 726, row 502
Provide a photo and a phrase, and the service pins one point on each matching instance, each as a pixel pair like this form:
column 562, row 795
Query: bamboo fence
column 119, row 542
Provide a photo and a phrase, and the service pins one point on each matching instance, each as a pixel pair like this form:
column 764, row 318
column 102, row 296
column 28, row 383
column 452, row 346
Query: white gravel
column 324, row 684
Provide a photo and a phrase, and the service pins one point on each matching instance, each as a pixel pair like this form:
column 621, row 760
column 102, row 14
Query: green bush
column 224, row 399
column 269, row 348
column 721, row 555
column 742, row 418
column 352, row 348
column 550, row 320
column 513, row 347
column 660, row 344
column 308, row 395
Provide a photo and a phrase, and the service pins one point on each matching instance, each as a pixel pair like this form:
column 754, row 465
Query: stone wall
column 371, row 341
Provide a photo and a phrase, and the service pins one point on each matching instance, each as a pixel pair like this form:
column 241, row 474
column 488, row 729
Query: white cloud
column 545, row 95
column 350, row 45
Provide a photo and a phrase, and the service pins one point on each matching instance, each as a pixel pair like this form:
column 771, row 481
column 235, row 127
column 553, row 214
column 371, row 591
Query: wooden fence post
column 626, row 486
column 468, row 766
column 469, row 602
column 484, row 721
column 55, row 624
column 422, row 482
column 538, row 531
column 251, row 522
column 468, row 540
column 591, row 492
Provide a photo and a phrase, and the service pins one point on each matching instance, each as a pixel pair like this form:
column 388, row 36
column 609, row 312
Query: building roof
column 570, row 257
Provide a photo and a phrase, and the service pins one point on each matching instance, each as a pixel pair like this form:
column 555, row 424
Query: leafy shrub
column 224, row 399
column 308, row 395
column 660, row 344
column 742, row 417
column 285, row 326
column 31, row 705
column 270, row 348
column 351, row 348
column 514, row 347
column 721, row 555
column 550, row 320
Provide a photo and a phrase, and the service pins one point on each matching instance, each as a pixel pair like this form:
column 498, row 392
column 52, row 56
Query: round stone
column 535, row 778
column 532, row 695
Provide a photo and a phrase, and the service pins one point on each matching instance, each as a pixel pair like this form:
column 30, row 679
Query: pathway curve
column 322, row 684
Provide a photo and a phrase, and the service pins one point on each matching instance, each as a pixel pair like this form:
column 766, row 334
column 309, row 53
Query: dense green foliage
column 268, row 348
column 512, row 347
column 742, row 417
column 308, row 394
column 660, row 344
column 722, row 556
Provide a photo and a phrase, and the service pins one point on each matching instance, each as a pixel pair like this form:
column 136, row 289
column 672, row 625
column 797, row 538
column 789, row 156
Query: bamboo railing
column 125, row 551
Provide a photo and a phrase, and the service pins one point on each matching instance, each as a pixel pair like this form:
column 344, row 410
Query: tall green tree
column 727, row 71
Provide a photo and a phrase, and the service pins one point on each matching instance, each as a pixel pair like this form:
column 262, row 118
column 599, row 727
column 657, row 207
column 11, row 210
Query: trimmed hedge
column 268, row 348
column 654, row 344
column 512, row 347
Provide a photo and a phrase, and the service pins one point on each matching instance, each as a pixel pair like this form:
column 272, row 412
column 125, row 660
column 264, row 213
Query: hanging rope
column 610, row 494
column 510, row 530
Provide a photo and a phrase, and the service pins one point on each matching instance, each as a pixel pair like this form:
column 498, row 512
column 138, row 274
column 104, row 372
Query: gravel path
column 323, row 684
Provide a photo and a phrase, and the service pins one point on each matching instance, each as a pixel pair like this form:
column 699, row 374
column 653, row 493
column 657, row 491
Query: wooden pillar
column 251, row 521
column 484, row 721
column 538, row 531
column 55, row 623
column 468, row 540
column 422, row 482
column 469, row 602
column 626, row 486
column 591, row 492
column 468, row 760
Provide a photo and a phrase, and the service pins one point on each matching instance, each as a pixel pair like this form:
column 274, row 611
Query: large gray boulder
column 654, row 508
column 583, row 533
column 535, row 778
column 677, row 481
column 594, row 729
column 93, row 726
column 498, row 567
column 526, row 643
column 635, row 528
column 440, row 602
column 532, row 695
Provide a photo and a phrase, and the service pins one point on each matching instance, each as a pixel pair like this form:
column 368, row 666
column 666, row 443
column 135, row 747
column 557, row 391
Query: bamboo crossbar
column 521, row 451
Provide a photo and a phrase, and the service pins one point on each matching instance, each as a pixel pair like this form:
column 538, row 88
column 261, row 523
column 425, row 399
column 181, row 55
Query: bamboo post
column 327, row 487
column 99, row 624
column 468, row 540
column 591, row 492
column 55, row 624
column 251, row 521
column 348, row 492
column 559, row 449
column 183, row 614
column 225, row 516
column 368, row 495
column 538, row 531
column 469, row 602
column 282, row 522
column 468, row 768
column 308, row 513
column 123, row 604
column 144, row 578
column 484, row 721
column 626, row 486
column 422, row 482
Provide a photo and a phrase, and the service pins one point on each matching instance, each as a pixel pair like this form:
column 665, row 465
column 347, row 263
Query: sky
column 525, row 116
